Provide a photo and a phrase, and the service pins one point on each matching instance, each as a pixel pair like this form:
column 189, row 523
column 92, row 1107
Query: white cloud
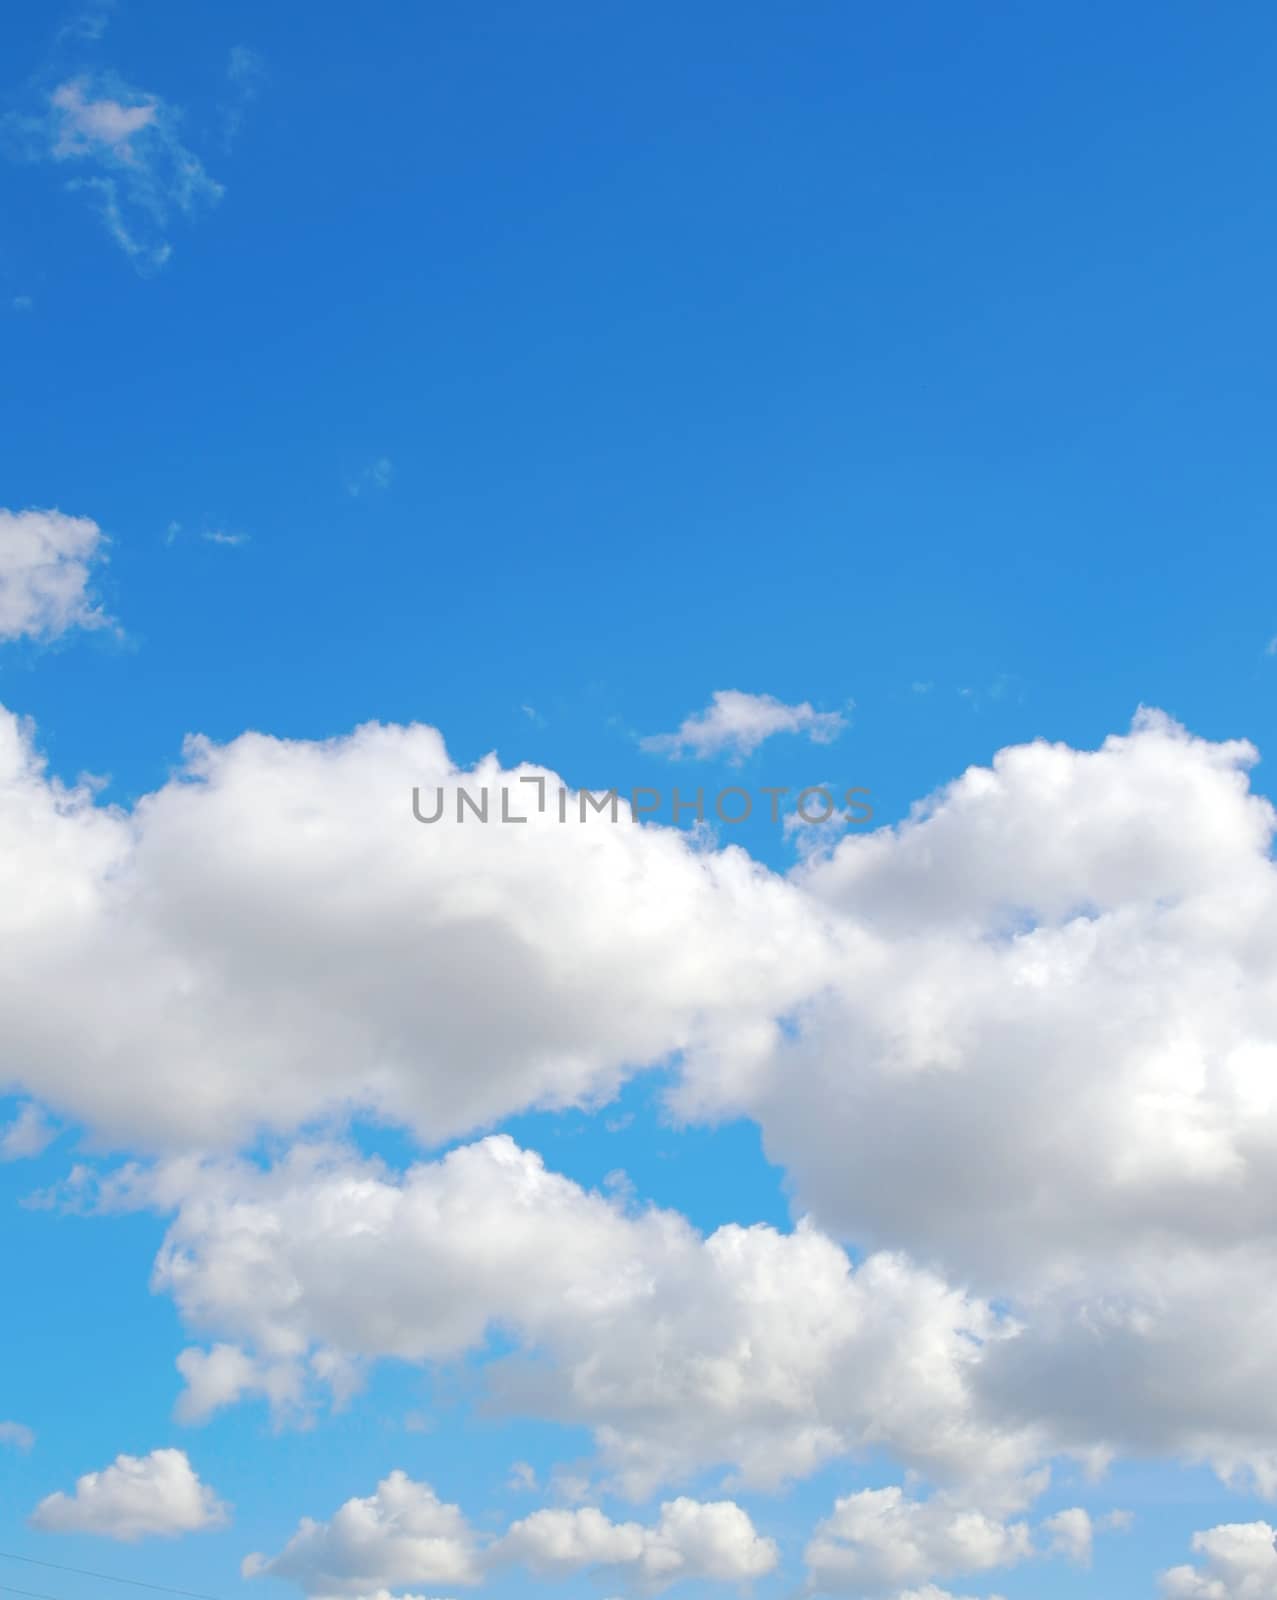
column 222, row 536
column 29, row 1134
column 738, row 723
column 1047, row 1065
column 680, row 1352
column 135, row 1497
column 402, row 1534
column 1026, row 1039
column 1240, row 1564
column 17, row 1435
column 225, row 1374
column 930, row 1592
column 83, row 123
column 878, row 1540
column 1072, row 1534
column 275, row 920
column 46, row 562
column 691, row 1539
column 138, row 172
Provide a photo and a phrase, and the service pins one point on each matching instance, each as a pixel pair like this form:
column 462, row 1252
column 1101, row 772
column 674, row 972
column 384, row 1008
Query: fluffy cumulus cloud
column 883, row 1541
column 1020, row 1049
column 400, row 1537
column 135, row 1497
column 1238, row 1563
column 1057, row 1014
column 879, row 1541
column 46, row 567
column 691, row 1539
column 276, row 932
column 403, row 1535
column 121, row 148
column 759, row 1352
column 1047, row 1065
column 1072, row 1534
column 736, row 724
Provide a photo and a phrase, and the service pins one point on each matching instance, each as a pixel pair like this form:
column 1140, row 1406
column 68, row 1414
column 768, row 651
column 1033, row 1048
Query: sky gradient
column 409, row 397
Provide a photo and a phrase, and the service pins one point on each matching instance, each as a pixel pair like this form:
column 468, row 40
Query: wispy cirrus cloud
column 245, row 74
column 379, row 474
column 223, row 536
column 121, row 148
column 88, row 24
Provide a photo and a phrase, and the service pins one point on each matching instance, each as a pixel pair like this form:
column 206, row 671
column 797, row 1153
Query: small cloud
column 1003, row 687
column 813, row 833
column 399, row 1534
column 739, row 723
column 620, row 1186
column 245, row 67
column 1271, row 648
column 46, row 562
column 245, row 75
column 922, row 688
column 134, row 1498
column 22, row 302
column 28, row 1135
column 224, row 1375
column 523, row 1478
column 569, row 1486
column 82, row 125
column 1071, row 1534
column 379, row 475
column 533, row 716
column 225, row 536
column 136, row 171
column 88, row 24
column 16, row 1435
column 691, row 1540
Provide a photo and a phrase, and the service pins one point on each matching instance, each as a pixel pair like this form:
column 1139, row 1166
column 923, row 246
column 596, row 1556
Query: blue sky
column 538, row 375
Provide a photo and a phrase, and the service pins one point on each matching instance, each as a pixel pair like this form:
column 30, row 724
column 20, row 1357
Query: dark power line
column 104, row 1577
